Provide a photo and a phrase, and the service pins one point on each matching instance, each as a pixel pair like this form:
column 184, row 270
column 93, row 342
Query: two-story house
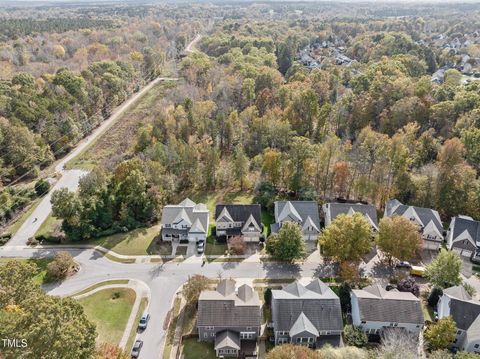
column 243, row 220
column 305, row 213
column 375, row 309
column 463, row 236
column 458, row 304
column 332, row 210
column 307, row 315
column 230, row 318
column 428, row 221
column 184, row 221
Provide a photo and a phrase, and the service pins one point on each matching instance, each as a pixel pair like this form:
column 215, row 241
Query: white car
column 200, row 247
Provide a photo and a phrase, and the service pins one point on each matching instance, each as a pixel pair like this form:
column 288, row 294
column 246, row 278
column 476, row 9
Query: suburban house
column 427, row 219
column 375, row 309
column 230, row 318
column 305, row 213
column 463, row 236
column 239, row 220
column 307, row 315
column 184, row 221
column 332, row 210
column 456, row 302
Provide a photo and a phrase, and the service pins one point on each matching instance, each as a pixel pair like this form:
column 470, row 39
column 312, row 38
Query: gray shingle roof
column 463, row 309
column 461, row 224
column 473, row 332
column 378, row 305
column 297, row 211
column 395, row 207
column 227, row 339
column 239, row 213
column 367, row 210
column 188, row 210
column 303, row 324
column 223, row 307
column 317, row 302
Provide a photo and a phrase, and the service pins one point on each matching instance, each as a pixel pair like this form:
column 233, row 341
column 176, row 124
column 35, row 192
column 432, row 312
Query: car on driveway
column 142, row 325
column 136, row 348
column 200, row 247
column 404, row 264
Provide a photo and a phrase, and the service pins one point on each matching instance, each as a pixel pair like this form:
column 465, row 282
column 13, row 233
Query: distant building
column 428, row 221
column 305, row 213
column 184, row 221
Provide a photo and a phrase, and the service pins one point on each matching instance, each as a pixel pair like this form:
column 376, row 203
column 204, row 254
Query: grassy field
column 110, row 314
column 193, row 349
column 212, row 248
column 427, row 312
column 131, row 338
column 40, row 277
column 119, row 139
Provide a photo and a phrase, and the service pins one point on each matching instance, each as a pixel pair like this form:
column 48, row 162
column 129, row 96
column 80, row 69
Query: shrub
column 355, row 336
column 267, row 296
column 59, row 268
column 42, row 187
column 409, row 285
column 434, row 296
column 237, row 245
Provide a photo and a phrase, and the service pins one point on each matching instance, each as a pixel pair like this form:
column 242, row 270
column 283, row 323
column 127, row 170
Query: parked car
column 144, row 321
column 417, row 271
column 403, row 264
column 200, row 247
column 136, row 348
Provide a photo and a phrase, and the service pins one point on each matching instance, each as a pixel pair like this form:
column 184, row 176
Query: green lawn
column 267, row 220
column 427, row 312
column 212, row 248
column 40, row 277
column 181, row 251
column 109, row 314
column 49, row 226
column 193, row 349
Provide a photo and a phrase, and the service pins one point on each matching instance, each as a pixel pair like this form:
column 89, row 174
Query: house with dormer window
column 307, row 315
column 304, row 213
column 230, row 318
column 184, row 221
column 428, row 221
column 238, row 220
column 463, row 236
column 332, row 210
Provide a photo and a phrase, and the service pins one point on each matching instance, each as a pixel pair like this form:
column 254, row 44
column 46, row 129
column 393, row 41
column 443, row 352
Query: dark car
column 200, row 247
column 144, row 321
column 403, row 264
column 136, row 348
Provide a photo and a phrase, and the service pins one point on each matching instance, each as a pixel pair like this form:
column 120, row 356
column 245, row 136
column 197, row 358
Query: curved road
column 162, row 279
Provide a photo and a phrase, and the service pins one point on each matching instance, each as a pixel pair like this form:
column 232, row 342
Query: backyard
column 193, row 349
column 109, row 309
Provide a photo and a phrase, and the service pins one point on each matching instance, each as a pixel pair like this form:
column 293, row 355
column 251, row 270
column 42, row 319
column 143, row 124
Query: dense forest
column 251, row 115
column 60, row 77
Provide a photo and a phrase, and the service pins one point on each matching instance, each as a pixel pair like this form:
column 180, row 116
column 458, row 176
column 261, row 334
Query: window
column 212, row 334
column 168, row 226
column 247, row 335
column 459, row 332
column 249, row 328
column 205, row 335
column 364, row 322
column 209, row 328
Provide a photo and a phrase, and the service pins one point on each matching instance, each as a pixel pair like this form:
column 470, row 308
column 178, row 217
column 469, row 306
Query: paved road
column 162, row 279
column 70, row 178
